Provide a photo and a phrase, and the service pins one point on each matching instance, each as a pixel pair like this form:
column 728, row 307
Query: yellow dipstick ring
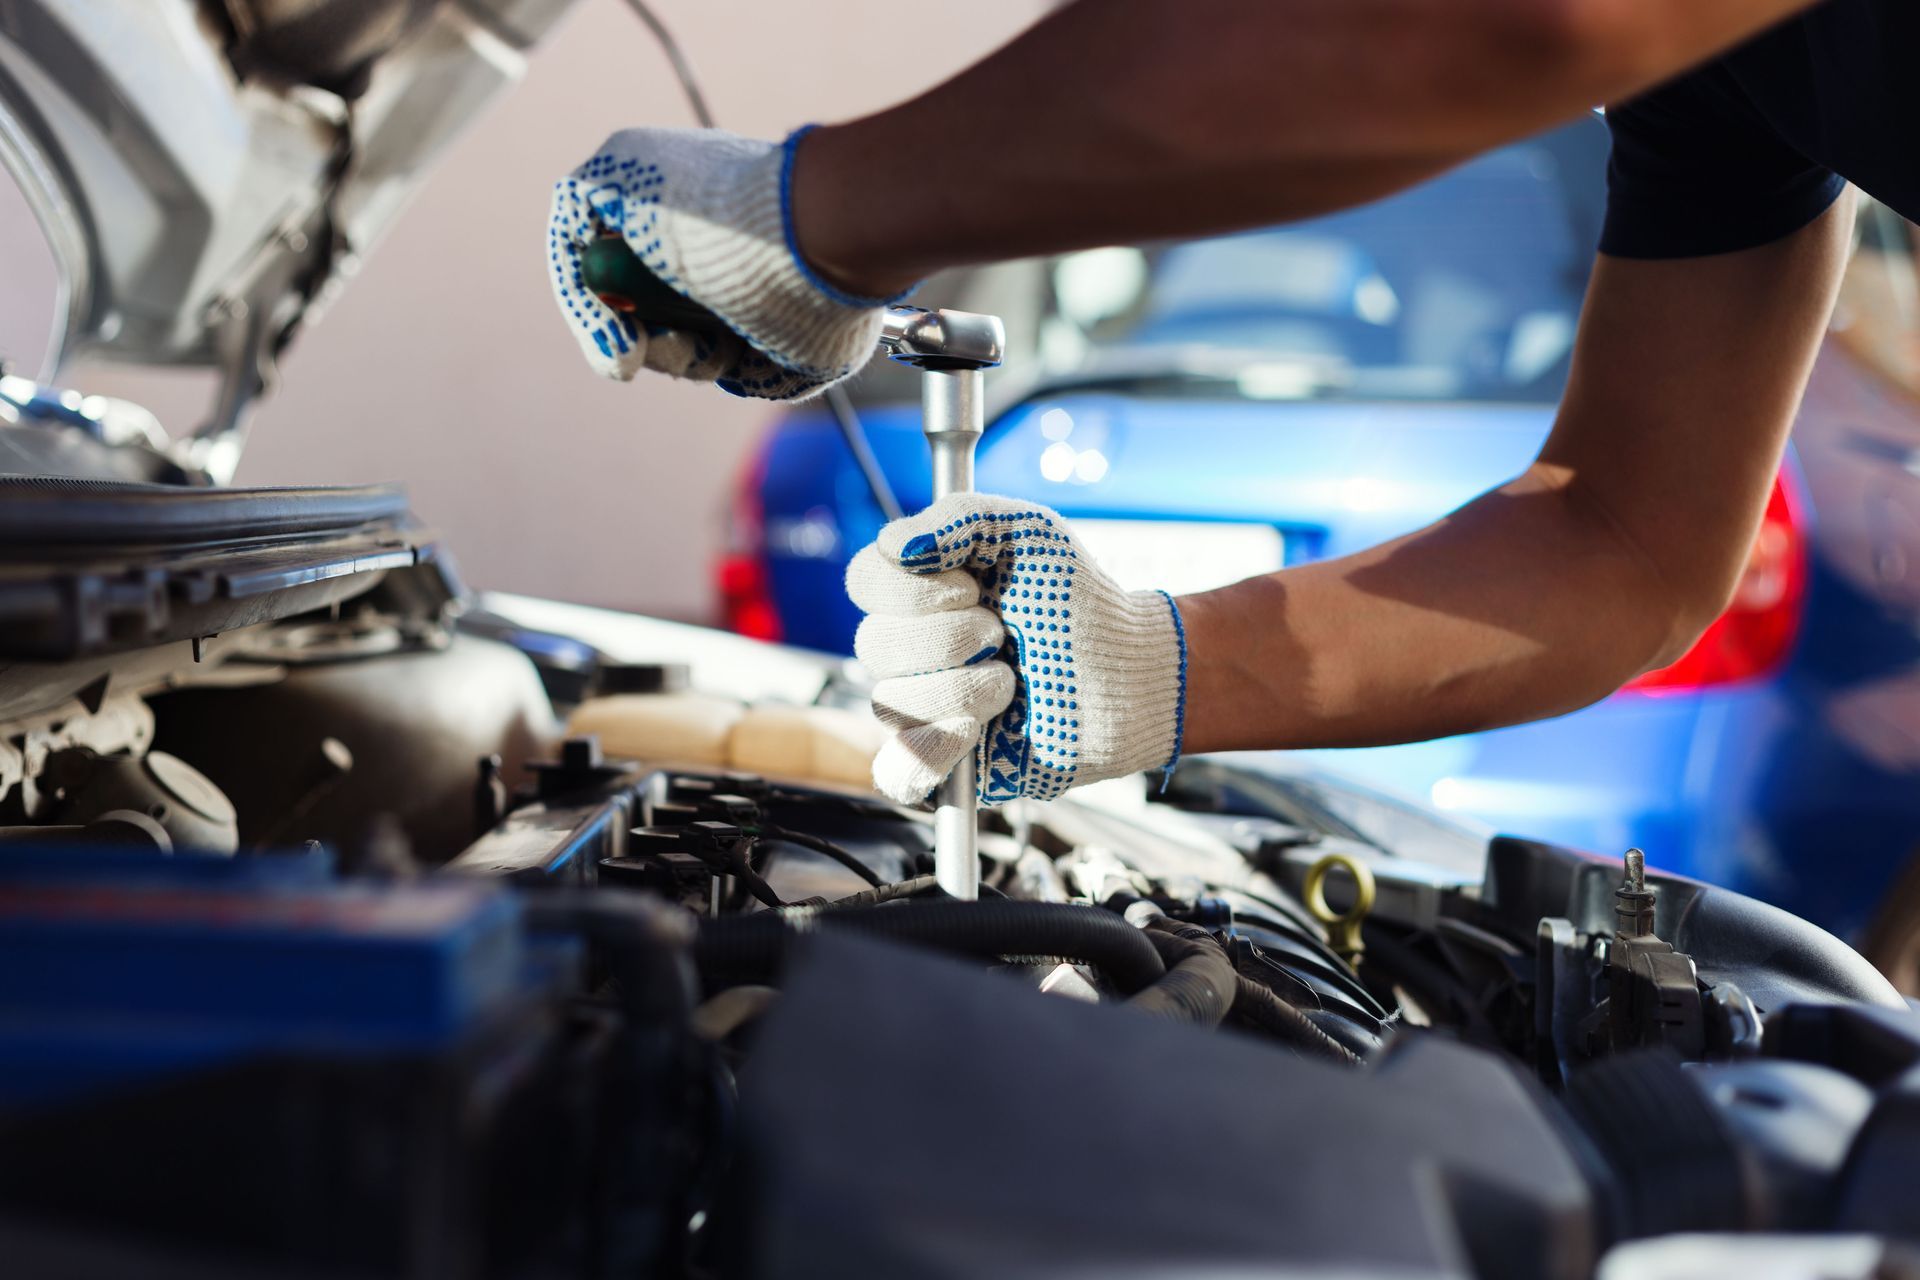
column 1343, row 928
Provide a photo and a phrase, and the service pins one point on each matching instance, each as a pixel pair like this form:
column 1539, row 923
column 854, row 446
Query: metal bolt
column 1633, row 901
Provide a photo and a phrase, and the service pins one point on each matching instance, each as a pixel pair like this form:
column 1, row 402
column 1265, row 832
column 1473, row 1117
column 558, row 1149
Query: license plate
column 1181, row 556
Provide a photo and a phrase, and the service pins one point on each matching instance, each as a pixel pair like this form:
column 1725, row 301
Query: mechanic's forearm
column 1119, row 121
column 1606, row 558
column 1522, row 604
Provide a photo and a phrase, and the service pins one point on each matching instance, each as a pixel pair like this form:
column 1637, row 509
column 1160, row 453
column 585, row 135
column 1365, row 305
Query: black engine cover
column 909, row 1116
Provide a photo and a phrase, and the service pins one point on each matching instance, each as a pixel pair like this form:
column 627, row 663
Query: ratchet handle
column 613, row 273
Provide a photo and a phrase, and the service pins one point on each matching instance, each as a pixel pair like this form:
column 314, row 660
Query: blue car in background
column 1219, row 408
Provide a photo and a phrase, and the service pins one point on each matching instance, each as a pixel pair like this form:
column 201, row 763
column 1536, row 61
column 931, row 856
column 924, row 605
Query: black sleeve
column 1696, row 169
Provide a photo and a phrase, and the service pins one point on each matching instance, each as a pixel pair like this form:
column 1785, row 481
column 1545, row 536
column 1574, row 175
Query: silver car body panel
column 199, row 215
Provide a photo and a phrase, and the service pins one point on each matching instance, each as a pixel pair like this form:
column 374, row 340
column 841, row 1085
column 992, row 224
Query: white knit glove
column 707, row 212
column 990, row 629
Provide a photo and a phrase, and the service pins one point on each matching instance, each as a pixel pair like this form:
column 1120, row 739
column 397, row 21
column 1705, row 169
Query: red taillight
column 746, row 598
column 746, row 593
column 1756, row 633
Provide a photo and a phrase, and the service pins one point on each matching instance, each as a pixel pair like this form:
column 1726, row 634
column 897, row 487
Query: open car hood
column 206, row 171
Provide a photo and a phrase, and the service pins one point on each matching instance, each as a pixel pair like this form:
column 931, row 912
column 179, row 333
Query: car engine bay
column 356, row 925
column 337, row 946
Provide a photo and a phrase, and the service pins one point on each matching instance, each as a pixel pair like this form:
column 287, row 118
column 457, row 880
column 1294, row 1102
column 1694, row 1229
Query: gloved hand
column 707, row 212
column 989, row 629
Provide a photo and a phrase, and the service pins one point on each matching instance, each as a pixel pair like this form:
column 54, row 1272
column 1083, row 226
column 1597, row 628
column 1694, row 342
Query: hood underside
column 206, row 171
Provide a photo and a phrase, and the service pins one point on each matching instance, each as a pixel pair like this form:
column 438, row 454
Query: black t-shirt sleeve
column 1697, row 170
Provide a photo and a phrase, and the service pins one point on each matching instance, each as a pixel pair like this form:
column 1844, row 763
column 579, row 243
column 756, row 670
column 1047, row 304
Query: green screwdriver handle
column 613, row 273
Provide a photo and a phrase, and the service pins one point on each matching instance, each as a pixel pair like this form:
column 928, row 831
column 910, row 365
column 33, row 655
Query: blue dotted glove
column 706, row 212
column 990, row 629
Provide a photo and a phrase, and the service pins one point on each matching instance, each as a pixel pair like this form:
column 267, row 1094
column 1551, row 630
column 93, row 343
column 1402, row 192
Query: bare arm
column 1607, row 558
column 1115, row 121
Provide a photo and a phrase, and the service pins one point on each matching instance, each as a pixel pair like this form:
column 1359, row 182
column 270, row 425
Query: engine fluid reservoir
column 810, row 744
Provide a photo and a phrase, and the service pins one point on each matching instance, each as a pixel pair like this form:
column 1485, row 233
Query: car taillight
column 746, row 598
column 745, row 590
column 1756, row 633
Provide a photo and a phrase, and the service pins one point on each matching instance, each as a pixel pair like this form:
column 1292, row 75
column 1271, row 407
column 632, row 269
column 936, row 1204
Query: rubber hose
column 1198, row 987
column 732, row 949
column 1271, row 1014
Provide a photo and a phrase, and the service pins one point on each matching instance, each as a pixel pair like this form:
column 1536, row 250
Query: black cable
column 827, row 847
column 845, row 416
column 738, row 862
column 678, row 58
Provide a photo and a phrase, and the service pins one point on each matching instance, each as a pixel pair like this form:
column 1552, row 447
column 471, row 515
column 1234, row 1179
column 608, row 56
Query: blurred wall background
column 545, row 479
